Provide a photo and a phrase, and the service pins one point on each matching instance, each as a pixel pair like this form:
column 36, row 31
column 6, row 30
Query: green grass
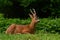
column 43, row 29
column 40, row 36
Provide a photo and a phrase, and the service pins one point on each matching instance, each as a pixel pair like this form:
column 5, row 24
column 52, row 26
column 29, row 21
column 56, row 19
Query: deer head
column 33, row 16
column 15, row 28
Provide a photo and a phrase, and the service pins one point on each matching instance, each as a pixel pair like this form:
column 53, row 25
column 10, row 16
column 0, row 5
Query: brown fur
column 17, row 29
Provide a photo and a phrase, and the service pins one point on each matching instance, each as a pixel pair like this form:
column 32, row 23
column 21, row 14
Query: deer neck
column 32, row 25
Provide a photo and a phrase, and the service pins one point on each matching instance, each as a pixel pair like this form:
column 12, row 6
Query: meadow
column 40, row 36
column 46, row 29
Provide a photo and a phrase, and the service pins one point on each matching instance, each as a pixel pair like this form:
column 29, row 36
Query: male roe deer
column 24, row 29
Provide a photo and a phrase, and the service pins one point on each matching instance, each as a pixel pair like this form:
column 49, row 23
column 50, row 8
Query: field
column 46, row 29
column 40, row 36
column 15, row 12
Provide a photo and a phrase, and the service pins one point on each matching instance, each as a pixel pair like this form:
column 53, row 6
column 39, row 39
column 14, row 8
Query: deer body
column 24, row 29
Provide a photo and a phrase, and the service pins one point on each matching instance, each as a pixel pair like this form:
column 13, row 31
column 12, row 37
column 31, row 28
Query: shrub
column 45, row 24
column 50, row 25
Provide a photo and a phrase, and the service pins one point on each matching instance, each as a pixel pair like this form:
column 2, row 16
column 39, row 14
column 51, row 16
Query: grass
column 39, row 36
column 45, row 23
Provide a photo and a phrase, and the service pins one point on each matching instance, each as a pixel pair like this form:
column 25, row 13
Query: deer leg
column 10, row 29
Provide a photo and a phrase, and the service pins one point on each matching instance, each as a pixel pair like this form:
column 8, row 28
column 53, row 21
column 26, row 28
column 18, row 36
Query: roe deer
column 24, row 29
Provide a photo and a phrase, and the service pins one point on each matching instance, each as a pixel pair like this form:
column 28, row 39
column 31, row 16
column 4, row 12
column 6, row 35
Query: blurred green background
column 16, row 11
column 20, row 8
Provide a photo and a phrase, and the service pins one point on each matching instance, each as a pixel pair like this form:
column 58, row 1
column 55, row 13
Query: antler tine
column 31, row 11
column 30, row 15
column 34, row 11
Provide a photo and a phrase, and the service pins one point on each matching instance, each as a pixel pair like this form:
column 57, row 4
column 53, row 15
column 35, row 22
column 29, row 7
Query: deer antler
column 29, row 28
column 33, row 12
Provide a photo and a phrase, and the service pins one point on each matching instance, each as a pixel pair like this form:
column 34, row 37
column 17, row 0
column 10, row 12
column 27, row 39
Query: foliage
column 40, row 36
column 3, row 3
column 42, row 6
column 45, row 24
column 50, row 25
column 10, row 2
column 26, row 3
column 55, row 8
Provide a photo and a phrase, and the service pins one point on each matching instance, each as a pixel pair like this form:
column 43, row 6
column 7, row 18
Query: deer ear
column 30, row 16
